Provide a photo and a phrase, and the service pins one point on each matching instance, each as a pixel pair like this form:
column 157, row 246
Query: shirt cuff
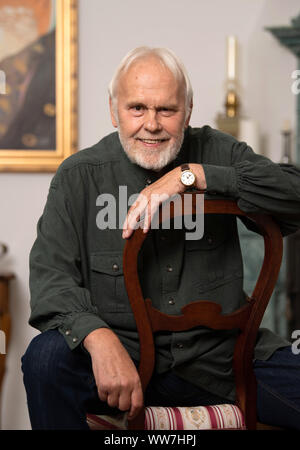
column 220, row 180
column 77, row 326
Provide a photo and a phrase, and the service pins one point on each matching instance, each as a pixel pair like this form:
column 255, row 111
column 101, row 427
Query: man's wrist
column 198, row 170
column 90, row 341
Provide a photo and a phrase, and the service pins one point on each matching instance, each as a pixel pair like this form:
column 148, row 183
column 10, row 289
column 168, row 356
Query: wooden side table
column 5, row 321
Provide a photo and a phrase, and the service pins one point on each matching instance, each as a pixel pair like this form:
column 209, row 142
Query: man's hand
column 155, row 194
column 116, row 376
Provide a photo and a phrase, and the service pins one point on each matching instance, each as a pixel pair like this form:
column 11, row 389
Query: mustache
column 153, row 138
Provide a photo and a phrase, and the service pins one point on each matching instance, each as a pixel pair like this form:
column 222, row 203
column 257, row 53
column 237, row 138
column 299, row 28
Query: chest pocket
column 107, row 282
column 216, row 231
column 210, row 259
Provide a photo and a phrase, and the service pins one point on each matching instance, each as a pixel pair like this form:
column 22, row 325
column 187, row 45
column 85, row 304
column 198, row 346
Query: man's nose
column 152, row 123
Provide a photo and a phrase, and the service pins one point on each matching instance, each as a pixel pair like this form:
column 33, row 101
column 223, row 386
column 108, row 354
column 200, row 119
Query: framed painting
column 38, row 84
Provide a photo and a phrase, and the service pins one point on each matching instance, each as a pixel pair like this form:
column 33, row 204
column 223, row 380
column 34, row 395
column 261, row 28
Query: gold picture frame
column 65, row 108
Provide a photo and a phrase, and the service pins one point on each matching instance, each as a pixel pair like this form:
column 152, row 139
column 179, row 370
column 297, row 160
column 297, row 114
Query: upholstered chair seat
column 215, row 417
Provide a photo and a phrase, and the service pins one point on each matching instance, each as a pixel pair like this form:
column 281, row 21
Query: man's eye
column 138, row 108
column 166, row 111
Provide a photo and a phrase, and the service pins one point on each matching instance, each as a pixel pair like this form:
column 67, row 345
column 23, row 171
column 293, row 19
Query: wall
column 196, row 31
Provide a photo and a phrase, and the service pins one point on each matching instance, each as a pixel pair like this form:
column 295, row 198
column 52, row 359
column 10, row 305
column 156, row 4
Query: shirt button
column 169, row 268
column 75, row 339
column 67, row 332
column 179, row 345
column 148, row 181
column 171, row 301
column 115, row 267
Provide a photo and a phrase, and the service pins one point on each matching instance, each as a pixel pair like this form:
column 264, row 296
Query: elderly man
column 86, row 356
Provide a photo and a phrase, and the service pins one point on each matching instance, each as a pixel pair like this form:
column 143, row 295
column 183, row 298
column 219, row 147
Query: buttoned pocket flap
column 109, row 263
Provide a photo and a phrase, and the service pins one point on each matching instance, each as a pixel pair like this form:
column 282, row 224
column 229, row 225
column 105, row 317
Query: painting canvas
column 38, row 98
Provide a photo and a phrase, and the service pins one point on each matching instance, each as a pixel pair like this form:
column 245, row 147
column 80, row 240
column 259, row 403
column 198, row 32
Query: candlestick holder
column 228, row 121
column 231, row 104
column 286, row 153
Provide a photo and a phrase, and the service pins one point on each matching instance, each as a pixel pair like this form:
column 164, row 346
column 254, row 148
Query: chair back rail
column 206, row 313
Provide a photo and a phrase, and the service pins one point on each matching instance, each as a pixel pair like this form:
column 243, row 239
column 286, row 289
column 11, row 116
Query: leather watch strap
column 185, row 167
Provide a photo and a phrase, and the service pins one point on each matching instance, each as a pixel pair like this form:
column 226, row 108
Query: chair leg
column 251, row 413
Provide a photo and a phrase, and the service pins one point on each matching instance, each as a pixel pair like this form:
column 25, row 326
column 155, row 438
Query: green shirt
column 76, row 273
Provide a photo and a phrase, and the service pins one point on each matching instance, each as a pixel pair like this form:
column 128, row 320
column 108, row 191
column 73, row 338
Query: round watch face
column 187, row 178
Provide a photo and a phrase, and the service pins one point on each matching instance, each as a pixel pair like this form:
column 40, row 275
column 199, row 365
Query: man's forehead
column 149, row 74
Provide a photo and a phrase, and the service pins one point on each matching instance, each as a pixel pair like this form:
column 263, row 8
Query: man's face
column 150, row 113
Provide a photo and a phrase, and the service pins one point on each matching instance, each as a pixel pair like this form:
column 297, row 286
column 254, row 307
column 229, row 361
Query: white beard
column 142, row 158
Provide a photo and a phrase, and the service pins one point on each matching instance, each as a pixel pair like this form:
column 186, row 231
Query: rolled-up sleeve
column 58, row 297
column 258, row 185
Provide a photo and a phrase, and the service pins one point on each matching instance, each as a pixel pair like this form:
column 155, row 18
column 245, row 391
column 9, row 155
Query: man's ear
column 112, row 113
column 187, row 120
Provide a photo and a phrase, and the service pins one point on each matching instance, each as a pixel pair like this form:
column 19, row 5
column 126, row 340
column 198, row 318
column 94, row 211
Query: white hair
column 168, row 59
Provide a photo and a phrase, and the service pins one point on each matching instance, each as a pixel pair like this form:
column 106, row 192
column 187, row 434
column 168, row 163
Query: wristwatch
column 188, row 178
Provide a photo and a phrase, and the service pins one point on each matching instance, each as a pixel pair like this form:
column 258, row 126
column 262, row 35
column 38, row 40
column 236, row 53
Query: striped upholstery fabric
column 118, row 422
column 215, row 417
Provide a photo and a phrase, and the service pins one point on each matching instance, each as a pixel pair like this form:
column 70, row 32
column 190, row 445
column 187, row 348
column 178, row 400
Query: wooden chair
column 206, row 313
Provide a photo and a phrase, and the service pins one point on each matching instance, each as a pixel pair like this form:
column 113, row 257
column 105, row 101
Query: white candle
column 231, row 57
column 286, row 128
column 249, row 133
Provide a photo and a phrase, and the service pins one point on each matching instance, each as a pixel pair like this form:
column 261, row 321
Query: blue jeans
column 61, row 388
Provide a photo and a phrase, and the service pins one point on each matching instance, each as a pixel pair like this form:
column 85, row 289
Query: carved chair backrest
column 205, row 313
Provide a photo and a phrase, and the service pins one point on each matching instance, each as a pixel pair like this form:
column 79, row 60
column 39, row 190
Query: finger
column 132, row 212
column 113, row 398
column 151, row 218
column 137, row 400
column 127, row 227
column 125, row 401
column 149, row 213
column 134, row 216
column 102, row 395
column 133, row 222
column 133, row 209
